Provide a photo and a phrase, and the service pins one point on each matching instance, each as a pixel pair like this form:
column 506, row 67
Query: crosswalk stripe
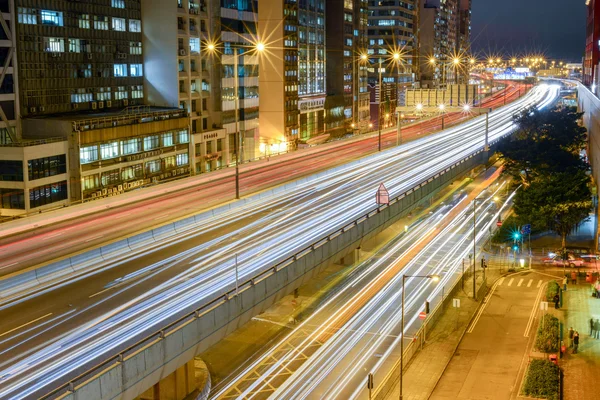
column 539, row 283
column 501, row 281
column 530, row 282
column 520, row 281
column 511, row 281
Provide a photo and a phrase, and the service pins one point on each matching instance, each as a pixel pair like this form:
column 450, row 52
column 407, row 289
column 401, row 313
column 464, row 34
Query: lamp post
column 475, row 200
column 434, row 278
column 237, row 51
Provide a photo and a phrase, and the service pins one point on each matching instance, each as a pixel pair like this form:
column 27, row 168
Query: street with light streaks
column 117, row 304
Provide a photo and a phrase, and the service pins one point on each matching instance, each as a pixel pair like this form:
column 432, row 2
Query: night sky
column 554, row 28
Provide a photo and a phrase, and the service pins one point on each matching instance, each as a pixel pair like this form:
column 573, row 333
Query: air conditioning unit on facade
column 75, row 106
column 182, row 52
column 89, row 56
column 94, row 105
column 100, row 104
column 109, row 103
column 42, row 109
column 121, row 56
column 125, row 102
column 32, row 109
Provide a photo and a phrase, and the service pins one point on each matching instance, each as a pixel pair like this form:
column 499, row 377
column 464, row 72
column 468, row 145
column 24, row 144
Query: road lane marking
column 94, row 238
column 100, row 292
column 510, row 281
column 539, row 283
column 533, row 312
column 529, row 283
column 10, row 265
column 501, row 281
column 24, row 325
column 520, row 282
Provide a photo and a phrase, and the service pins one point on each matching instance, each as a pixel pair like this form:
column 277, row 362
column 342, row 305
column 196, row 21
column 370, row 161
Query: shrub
column 552, row 290
column 546, row 339
column 542, row 380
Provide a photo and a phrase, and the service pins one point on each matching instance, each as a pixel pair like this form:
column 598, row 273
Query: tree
column 546, row 142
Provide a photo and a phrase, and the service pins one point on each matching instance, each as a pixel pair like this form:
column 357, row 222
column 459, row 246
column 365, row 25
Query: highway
column 74, row 229
column 357, row 331
column 81, row 323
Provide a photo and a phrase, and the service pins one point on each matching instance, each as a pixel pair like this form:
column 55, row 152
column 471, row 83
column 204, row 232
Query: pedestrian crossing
column 520, row 282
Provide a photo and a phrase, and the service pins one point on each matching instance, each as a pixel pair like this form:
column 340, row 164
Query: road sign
column 544, row 305
column 422, row 315
column 526, row 229
column 498, row 223
column 382, row 196
column 456, row 303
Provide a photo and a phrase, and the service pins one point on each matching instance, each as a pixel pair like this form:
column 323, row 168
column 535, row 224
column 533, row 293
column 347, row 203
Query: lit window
column 120, row 70
column 118, row 24
column 118, row 3
column 88, row 154
column 82, row 96
column 195, row 45
column 84, row 21
column 109, row 150
column 100, row 23
column 153, row 166
column 135, row 25
column 103, row 94
column 182, row 159
column 137, row 92
column 74, row 45
column 54, row 45
column 167, row 139
column 27, row 16
column 135, row 48
column 121, row 93
column 135, row 70
column 151, row 142
column 52, row 17
column 183, row 137
column 131, row 146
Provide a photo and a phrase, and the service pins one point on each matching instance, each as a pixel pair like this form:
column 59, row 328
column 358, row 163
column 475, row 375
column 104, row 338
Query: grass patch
column 546, row 339
column 542, row 380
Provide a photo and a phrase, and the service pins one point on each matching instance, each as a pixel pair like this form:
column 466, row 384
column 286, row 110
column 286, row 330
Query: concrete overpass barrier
column 135, row 369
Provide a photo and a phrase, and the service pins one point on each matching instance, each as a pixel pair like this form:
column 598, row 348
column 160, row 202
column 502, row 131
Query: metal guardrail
column 35, row 142
column 111, row 121
column 242, row 286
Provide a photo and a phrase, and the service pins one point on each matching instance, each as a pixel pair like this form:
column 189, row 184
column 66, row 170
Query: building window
column 121, row 93
column 103, row 94
column 52, row 17
column 132, row 172
column 91, row 182
column 209, row 147
column 118, row 24
column 120, row 70
column 84, row 21
column 194, row 45
column 88, row 154
column 220, row 144
column 11, row 171
column 47, row 166
column 54, row 45
column 169, row 162
column 151, row 142
column 135, row 48
column 48, row 194
column 118, row 3
column 183, row 137
column 137, row 92
column 131, row 146
column 82, row 96
column 182, row 159
column 12, row 199
column 74, row 46
column 135, row 70
column 153, row 167
column 167, row 139
column 27, row 16
column 100, row 23
column 135, row 25
column 111, row 177
column 109, row 150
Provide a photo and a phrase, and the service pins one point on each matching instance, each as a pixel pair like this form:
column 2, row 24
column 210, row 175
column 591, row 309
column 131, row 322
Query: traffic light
column 517, row 236
column 426, row 307
column 515, row 248
column 483, row 263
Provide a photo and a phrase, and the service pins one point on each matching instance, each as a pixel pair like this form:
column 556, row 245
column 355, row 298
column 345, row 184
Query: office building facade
column 592, row 44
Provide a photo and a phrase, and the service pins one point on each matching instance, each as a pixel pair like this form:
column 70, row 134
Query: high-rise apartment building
column 463, row 44
column 592, row 43
column 292, row 73
column 393, row 28
column 347, row 104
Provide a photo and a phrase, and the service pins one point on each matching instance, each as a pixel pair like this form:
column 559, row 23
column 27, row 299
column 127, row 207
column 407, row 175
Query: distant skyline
column 555, row 28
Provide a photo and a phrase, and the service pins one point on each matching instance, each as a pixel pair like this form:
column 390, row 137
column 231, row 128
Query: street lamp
column 237, row 48
column 475, row 200
column 442, row 108
column 434, row 278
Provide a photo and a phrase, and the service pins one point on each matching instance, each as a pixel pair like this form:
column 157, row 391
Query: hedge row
column 542, row 380
column 552, row 290
column 546, row 339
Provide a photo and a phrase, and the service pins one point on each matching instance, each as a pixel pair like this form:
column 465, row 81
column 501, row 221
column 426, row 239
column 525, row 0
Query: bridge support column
column 175, row 386
column 351, row 258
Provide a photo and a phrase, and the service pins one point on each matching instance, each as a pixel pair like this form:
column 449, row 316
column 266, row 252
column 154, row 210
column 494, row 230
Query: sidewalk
column 581, row 371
